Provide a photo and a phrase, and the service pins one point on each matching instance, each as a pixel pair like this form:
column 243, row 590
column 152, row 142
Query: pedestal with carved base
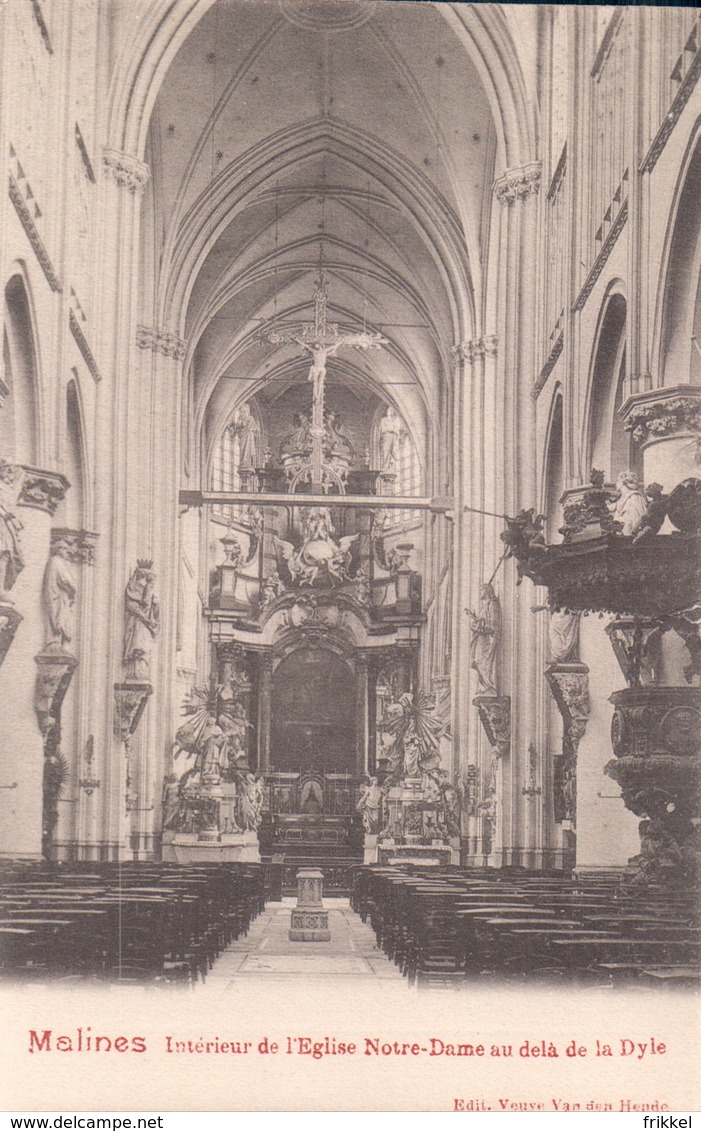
column 310, row 921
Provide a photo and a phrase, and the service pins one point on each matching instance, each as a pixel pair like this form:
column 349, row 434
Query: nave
column 217, row 929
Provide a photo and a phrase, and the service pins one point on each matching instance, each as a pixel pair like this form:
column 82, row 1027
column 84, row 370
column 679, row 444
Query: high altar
column 313, row 740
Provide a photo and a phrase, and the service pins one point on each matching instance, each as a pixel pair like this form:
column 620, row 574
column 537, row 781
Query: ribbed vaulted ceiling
column 350, row 135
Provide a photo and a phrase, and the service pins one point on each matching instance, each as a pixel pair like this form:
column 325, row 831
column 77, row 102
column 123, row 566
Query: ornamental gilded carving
column 161, row 341
column 42, row 490
column 518, row 184
column 127, row 172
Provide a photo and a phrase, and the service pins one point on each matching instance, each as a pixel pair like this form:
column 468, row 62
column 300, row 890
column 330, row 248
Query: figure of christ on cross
column 322, row 339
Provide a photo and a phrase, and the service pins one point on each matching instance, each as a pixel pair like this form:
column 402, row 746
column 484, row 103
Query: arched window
column 20, row 410
column 680, row 345
column 72, row 510
column 226, row 462
column 407, row 469
column 554, row 473
column 609, row 445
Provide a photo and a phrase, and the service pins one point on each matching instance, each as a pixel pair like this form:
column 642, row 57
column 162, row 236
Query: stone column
column 21, row 736
column 361, row 714
column 161, row 354
column 476, row 549
column 122, row 436
column 76, row 810
column 514, row 472
column 265, row 700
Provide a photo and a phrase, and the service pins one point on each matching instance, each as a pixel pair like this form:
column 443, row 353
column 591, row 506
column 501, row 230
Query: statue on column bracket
column 563, row 634
column 246, row 428
column 142, row 620
column 485, row 626
column 391, row 435
column 60, row 588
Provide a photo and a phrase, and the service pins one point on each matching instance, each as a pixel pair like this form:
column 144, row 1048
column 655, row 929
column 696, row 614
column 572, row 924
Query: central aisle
column 266, row 951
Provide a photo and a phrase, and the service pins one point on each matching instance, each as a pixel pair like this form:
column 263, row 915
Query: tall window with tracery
column 408, row 480
column 224, row 474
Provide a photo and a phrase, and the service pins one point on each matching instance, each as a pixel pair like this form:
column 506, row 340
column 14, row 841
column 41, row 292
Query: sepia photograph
column 350, row 556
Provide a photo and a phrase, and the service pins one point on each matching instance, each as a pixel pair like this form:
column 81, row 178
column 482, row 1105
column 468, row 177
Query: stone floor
column 266, row 951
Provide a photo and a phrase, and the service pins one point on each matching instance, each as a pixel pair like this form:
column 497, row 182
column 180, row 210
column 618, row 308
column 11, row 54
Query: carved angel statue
column 11, row 557
column 630, row 504
column 319, row 551
column 523, row 534
column 486, row 636
column 142, row 620
column 60, row 589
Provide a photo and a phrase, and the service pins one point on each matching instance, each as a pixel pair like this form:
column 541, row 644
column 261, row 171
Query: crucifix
column 322, row 339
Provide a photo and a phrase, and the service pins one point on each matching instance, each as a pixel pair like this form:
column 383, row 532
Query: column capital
column 126, row 171
column 470, row 351
column 518, row 183
column 161, row 341
column 42, row 490
column 81, row 543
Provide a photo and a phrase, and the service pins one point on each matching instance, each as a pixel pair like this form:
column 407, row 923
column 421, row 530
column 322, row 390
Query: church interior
column 350, row 486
